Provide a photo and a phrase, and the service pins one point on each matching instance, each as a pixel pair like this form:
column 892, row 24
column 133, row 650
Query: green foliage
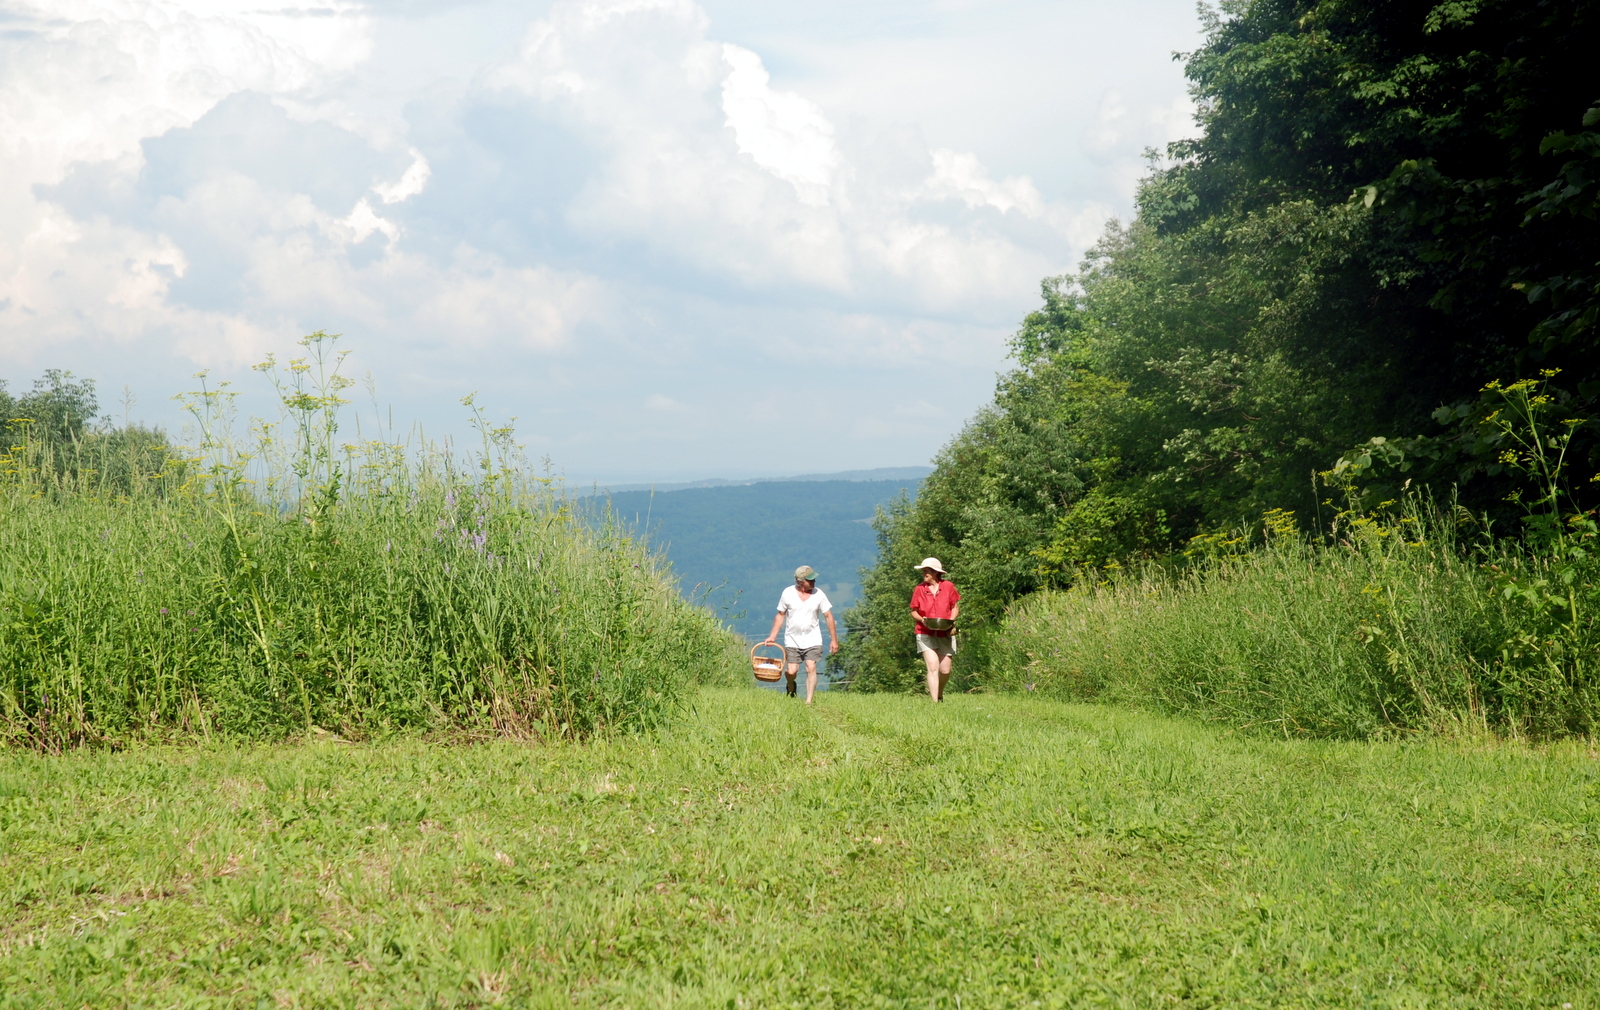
column 54, row 428
column 1387, row 622
column 1160, row 414
column 1391, row 627
column 297, row 582
column 1390, row 206
column 1450, row 123
column 58, row 410
column 988, row 852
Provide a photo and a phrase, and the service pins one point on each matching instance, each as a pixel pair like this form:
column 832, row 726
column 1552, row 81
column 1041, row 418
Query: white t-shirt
column 803, row 629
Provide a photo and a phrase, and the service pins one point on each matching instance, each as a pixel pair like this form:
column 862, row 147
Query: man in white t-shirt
column 800, row 611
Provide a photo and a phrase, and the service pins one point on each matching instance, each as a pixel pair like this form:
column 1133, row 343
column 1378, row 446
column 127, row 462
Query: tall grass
column 1389, row 627
column 289, row 581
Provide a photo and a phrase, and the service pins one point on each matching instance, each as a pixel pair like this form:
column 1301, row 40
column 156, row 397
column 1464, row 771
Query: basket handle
column 763, row 645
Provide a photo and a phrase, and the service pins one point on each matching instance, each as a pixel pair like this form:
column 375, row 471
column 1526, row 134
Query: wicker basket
column 767, row 668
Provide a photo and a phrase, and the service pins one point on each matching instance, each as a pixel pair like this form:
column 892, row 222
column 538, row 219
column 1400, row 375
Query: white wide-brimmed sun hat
column 931, row 563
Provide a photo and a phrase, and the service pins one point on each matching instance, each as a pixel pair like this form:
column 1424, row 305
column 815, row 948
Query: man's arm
column 777, row 622
column 833, row 631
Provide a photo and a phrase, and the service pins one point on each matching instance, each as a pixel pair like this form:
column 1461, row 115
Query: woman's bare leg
column 944, row 674
column 935, row 681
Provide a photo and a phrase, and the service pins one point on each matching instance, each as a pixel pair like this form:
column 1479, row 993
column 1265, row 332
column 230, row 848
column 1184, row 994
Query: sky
column 673, row 240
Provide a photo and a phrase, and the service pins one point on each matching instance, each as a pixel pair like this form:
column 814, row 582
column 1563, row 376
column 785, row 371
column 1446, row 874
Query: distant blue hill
column 913, row 474
column 737, row 545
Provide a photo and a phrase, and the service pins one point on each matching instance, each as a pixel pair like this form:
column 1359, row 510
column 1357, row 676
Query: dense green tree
column 58, row 409
column 1450, row 123
column 1388, row 206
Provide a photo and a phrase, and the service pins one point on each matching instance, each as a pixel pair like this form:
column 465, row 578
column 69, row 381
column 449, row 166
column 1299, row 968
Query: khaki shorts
column 810, row 653
column 939, row 645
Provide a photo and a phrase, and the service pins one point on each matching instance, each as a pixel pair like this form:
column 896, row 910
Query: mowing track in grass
column 872, row 851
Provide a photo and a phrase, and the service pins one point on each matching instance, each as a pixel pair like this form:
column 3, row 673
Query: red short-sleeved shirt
column 935, row 605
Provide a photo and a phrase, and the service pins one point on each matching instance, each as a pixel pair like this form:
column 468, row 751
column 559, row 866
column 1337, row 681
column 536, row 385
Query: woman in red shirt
column 935, row 604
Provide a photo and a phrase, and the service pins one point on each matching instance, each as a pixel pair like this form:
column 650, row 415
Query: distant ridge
column 911, row 473
column 733, row 547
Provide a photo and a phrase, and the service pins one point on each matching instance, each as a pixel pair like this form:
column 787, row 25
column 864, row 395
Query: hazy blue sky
column 649, row 229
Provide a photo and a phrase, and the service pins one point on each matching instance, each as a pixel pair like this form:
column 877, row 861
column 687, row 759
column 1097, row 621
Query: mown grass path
column 873, row 851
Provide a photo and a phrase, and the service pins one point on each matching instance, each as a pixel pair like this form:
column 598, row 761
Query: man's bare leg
column 811, row 679
column 935, row 681
column 794, row 669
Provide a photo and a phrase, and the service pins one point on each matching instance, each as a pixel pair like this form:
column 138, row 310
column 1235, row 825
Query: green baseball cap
column 806, row 572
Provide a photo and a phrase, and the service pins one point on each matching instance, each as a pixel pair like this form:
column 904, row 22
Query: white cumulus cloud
column 701, row 160
column 86, row 81
column 408, row 185
column 621, row 197
column 780, row 131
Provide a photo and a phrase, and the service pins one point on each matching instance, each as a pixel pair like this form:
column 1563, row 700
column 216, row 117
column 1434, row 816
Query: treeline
column 1388, row 216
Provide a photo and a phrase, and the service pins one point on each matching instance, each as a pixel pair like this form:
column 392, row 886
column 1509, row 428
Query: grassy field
column 872, row 851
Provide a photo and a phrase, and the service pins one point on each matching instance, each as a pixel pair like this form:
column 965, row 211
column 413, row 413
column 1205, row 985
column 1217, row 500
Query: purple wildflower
column 163, row 610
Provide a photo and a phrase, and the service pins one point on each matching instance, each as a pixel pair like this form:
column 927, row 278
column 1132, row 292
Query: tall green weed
column 288, row 581
column 1393, row 626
